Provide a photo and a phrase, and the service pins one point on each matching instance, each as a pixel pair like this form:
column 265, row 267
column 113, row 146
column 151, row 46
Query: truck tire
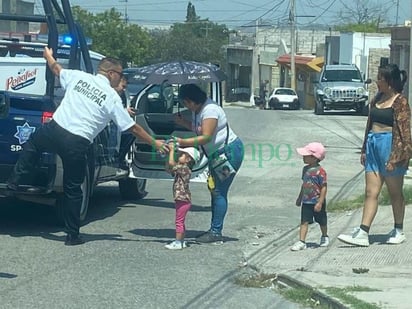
column 132, row 188
column 365, row 110
column 319, row 107
column 86, row 188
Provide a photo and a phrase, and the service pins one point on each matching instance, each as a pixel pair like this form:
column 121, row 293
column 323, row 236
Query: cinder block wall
column 375, row 55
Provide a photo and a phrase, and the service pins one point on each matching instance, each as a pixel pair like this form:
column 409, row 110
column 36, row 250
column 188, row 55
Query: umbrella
column 178, row 72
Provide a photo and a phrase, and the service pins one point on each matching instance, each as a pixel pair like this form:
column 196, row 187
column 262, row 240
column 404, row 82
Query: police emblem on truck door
column 23, row 133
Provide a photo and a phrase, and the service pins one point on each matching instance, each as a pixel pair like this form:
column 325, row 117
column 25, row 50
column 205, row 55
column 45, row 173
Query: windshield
column 285, row 91
column 341, row 76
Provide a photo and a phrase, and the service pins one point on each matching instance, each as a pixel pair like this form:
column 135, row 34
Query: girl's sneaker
column 176, row 245
column 300, row 245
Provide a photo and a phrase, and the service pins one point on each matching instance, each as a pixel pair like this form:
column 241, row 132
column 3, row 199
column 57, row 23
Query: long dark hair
column 193, row 93
column 393, row 76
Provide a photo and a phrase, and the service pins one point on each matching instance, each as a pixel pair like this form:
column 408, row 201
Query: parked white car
column 283, row 98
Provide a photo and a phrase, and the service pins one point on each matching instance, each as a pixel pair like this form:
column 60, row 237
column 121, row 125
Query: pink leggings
column 182, row 207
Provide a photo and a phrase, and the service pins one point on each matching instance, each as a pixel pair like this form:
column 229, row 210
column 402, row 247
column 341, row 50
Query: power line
column 324, row 11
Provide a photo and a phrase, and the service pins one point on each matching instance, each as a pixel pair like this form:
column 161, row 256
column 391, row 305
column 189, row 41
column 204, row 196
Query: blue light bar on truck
column 64, row 39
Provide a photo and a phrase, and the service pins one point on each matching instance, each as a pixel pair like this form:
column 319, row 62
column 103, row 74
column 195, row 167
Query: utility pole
column 206, row 28
column 292, row 15
column 397, row 12
column 126, row 17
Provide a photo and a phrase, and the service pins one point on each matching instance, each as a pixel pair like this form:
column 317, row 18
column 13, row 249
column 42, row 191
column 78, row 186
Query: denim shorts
column 378, row 151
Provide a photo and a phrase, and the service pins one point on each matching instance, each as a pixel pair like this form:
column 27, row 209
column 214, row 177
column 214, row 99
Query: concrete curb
column 240, row 104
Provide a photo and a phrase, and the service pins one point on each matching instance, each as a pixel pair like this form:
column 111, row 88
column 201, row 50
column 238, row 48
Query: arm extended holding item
column 139, row 132
column 54, row 66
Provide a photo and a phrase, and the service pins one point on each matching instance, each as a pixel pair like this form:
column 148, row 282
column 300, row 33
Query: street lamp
column 292, row 14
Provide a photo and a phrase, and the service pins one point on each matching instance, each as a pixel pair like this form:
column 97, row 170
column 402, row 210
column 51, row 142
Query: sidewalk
column 387, row 269
column 240, row 104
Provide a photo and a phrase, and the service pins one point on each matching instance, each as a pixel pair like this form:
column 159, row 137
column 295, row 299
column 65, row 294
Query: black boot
column 73, row 240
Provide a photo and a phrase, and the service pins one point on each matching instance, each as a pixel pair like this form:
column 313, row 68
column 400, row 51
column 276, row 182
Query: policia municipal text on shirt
column 89, row 104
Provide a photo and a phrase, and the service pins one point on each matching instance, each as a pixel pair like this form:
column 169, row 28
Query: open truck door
column 157, row 107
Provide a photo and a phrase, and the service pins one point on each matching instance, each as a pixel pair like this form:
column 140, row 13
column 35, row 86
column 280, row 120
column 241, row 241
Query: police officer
column 89, row 104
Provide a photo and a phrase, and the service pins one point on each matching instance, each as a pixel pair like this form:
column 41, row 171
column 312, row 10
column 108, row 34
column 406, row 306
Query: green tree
column 191, row 13
column 196, row 39
column 361, row 16
column 111, row 36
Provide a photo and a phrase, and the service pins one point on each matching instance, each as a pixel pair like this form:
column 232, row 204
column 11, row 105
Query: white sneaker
column 176, row 245
column 396, row 237
column 358, row 238
column 298, row 246
column 324, row 241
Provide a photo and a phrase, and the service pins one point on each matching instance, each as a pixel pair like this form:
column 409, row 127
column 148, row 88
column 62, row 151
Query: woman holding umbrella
column 219, row 144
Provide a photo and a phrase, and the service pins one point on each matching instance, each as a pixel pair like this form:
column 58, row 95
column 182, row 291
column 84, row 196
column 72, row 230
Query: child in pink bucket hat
column 312, row 196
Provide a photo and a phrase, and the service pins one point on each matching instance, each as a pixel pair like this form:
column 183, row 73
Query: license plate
column 285, row 105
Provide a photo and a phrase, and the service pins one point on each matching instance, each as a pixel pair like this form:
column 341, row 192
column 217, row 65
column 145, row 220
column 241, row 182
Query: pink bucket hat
column 312, row 149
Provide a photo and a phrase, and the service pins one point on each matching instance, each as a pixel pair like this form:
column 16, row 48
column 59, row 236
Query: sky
column 238, row 12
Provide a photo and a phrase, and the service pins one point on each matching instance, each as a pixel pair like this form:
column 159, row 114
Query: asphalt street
column 124, row 263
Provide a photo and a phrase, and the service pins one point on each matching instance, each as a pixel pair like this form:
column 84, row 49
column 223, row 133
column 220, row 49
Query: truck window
column 341, row 76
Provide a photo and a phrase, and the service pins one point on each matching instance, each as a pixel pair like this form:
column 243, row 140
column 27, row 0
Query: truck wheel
column 365, row 110
column 319, row 108
column 86, row 188
column 132, row 188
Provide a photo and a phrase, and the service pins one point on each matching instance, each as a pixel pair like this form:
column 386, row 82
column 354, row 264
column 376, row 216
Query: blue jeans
column 234, row 152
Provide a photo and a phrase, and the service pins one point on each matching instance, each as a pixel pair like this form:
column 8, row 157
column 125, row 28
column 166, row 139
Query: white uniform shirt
column 89, row 104
column 211, row 110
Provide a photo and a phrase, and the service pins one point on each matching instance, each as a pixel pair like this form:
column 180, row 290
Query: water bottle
column 163, row 155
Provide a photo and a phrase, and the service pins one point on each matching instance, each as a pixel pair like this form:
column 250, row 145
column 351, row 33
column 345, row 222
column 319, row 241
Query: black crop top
column 382, row 115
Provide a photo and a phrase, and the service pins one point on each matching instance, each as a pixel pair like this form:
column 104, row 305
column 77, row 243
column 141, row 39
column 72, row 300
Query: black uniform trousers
column 72, row 150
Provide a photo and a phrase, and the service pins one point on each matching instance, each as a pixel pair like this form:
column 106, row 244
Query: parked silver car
column 341, row 87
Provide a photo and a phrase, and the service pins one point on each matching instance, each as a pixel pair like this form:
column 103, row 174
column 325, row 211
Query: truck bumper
column 345, row 104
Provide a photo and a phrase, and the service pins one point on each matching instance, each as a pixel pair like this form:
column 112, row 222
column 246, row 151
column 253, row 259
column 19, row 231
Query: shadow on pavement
column 168, row 204
column 7, row 275
column 170, row 234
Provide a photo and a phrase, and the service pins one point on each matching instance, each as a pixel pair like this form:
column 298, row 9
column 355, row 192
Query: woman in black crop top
column 382, row 116
column 386, row 151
